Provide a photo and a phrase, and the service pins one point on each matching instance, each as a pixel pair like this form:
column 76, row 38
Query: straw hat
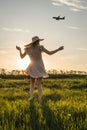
column 34, row 39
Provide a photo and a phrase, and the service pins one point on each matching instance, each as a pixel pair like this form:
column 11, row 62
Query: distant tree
column 13, row 72
column 17, row 72
column 49, row 71
column 85, row 73
column 67, row 72
column 22, row 72
column 62, row 72
column 2, row 71
column 79, row 72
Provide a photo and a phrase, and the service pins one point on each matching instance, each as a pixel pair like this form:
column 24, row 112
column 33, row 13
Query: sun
column 23, row 63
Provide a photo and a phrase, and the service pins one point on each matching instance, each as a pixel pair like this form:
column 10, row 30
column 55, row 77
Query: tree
column 2, row 71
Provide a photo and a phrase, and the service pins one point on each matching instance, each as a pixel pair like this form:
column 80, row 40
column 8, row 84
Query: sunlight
column 23, row 63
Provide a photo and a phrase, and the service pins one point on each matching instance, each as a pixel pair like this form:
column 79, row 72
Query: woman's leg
column 39, row 86
column 32, row 82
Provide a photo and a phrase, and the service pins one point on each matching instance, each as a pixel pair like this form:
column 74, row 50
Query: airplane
column 59, row 18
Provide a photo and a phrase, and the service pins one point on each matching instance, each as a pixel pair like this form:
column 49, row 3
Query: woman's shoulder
column 27, row 49
column 41, row 47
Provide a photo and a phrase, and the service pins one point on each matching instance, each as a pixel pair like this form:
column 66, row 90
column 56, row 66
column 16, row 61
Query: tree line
column 20, row 74
column 52, row 71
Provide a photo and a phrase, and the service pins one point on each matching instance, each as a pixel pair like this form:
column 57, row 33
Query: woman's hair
column 35, row 43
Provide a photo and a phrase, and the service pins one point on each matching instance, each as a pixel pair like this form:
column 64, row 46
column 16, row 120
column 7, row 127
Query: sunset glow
column 23, row 63
column 20, row 20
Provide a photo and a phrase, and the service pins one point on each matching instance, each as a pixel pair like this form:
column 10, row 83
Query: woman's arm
column 21, row 55
column 52, row 52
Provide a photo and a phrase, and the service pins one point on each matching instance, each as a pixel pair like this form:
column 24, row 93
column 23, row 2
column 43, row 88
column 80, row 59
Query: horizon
column 50, row 71
column 21, row 20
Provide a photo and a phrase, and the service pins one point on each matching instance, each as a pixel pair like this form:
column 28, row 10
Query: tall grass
column 63, row 107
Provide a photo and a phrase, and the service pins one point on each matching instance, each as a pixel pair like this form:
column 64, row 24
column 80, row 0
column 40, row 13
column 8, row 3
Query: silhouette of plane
column 59, row 18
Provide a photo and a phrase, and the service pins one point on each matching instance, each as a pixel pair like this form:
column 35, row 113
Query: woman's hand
column 18, row 48
column 61, row 48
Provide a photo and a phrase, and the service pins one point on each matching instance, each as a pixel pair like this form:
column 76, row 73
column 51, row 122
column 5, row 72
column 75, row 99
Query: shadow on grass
column 80, row 87
column 54, row 97
column 52, row 86
column 14, row 98
column 34, row 117
column 52, row 122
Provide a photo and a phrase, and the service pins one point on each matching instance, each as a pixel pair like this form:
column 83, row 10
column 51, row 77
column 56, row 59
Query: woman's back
column 34, row 53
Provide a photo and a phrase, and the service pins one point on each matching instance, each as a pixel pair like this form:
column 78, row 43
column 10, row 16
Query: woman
column 36, row 68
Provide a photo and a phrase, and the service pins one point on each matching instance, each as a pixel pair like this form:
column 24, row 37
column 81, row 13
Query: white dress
column 36, row 67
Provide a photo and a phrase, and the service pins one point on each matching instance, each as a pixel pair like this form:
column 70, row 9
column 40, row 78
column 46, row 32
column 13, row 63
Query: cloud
column 15, row 30
column 82, row 49
column 74, row 5
column 56, row 4
column 75, row 9
column 73, row 27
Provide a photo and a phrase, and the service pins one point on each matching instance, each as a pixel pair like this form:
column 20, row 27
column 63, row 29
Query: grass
column 63, row 107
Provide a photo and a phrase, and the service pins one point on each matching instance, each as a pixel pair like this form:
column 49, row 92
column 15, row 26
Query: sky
column 20, row 20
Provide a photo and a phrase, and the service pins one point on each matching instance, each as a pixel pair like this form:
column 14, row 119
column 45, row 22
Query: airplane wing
column 54, row 17
column 58, row 17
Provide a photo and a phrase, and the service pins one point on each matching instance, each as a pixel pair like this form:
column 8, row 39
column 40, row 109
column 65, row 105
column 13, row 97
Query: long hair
column 34, row 44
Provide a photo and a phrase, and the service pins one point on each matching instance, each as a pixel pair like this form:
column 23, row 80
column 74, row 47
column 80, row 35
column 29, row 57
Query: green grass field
column 63, row 107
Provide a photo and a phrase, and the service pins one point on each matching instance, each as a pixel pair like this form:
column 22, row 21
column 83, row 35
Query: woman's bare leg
column 32, row 82
column 39, row 86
